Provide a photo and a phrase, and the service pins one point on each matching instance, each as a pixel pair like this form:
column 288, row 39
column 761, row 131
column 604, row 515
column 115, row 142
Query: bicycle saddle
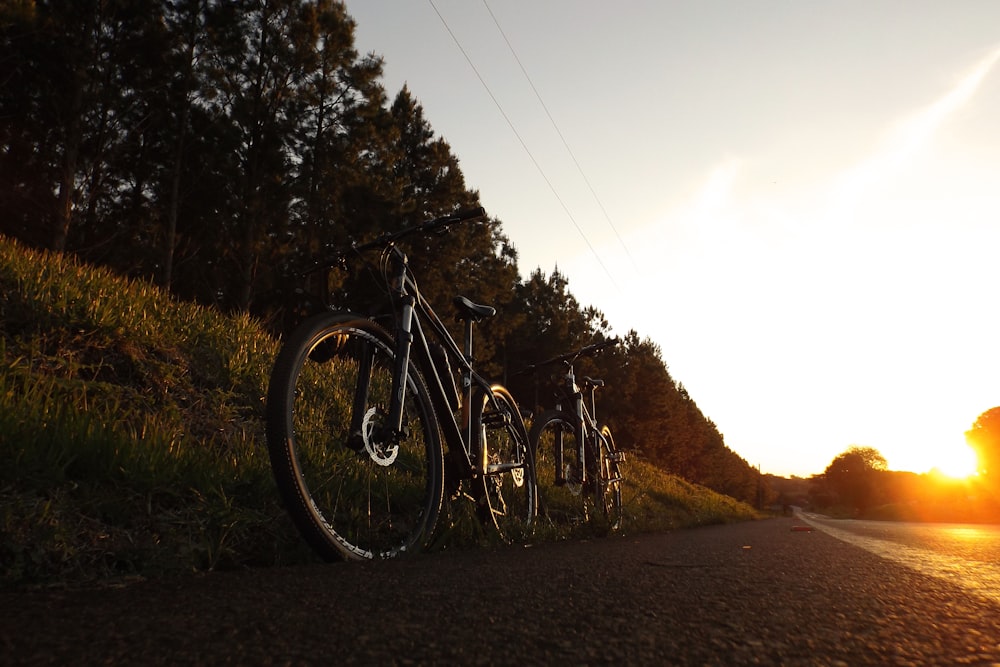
column 472, row 311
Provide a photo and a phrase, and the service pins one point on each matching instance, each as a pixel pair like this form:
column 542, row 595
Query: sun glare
column 961, row 463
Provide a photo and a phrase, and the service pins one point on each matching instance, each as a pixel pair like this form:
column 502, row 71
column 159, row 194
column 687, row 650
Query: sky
column 798, row 202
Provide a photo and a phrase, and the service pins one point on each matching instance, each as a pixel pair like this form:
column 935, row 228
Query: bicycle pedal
column 617, row 457
column 495, row 419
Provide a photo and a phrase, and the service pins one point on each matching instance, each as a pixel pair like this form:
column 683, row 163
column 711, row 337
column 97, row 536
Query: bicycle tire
column 610, row 482
column 508, row 495
column 349, row 496
column 562, row 497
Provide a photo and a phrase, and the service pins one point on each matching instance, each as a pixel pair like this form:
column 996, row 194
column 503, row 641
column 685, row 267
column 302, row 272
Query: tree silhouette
column 984, row 437
column 854, row 476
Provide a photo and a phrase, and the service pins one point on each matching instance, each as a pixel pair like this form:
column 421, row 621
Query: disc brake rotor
column 380, row 453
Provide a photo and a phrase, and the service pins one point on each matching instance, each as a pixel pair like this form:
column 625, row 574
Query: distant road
column 766, row 592
column 967, row 555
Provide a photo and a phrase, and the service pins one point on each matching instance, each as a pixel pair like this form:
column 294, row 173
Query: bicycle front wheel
column 353, row 489
column 558, row 468
column 508, row 494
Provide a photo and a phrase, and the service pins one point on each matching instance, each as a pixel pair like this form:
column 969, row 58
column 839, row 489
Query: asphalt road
column 753, row 593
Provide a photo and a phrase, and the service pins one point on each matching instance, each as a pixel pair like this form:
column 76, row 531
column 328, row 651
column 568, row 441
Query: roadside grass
column 655, row 501
column 132, row 439
column 130, row 428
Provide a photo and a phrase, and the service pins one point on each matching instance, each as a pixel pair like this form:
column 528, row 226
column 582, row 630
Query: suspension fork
column 593, row 401
column 392, row 429
column 557, row 447
column 365, row 361
column 594, row 429
column 400, row 375
column 580, row 428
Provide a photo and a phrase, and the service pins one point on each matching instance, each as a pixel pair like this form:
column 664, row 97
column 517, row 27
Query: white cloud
column 907, row 138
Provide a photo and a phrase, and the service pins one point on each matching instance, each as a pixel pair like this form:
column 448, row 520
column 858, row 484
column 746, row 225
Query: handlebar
column 442, row 222
column 386, row 240
column 586, row 351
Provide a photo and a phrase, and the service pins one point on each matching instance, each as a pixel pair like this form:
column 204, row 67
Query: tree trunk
column 63, row 214
column 172, row 212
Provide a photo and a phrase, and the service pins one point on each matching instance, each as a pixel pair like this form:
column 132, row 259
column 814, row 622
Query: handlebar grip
column 611, row 342
column 460, row 216
column 597, row 347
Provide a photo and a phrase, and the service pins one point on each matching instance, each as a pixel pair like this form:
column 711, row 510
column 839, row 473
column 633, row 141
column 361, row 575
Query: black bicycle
column 356, row 416
column 579, row 468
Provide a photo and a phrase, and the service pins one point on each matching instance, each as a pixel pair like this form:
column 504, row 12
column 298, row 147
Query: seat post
column 468, row 339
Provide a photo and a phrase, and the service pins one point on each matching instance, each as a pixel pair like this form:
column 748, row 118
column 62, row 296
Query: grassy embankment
column 131, row 438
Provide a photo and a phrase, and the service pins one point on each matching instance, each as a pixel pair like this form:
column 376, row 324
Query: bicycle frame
column 585, row 422
column 369, row 479
column 412, row 310
column 585, row 425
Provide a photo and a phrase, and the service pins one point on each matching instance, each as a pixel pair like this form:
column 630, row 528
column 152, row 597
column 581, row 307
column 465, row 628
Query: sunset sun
column 960, row 462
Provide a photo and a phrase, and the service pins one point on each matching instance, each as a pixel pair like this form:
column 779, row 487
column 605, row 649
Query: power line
column 562, row 138
column 523, row 144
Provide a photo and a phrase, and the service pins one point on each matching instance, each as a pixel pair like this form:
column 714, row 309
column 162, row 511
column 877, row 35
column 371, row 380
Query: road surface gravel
column 758, row 592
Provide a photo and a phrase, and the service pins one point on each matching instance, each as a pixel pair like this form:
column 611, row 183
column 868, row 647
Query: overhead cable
column 562, row 138
column 513, row 129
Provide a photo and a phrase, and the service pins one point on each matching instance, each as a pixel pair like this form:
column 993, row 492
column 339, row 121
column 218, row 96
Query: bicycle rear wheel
column 352, row 492
column 609, row 487
column 508, row 497
column 557, row 466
